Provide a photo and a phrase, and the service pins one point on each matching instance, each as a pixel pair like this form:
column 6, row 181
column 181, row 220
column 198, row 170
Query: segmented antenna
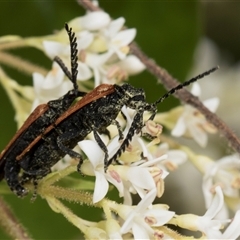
column 74, row 57
column 64, row 68
column 184, row 84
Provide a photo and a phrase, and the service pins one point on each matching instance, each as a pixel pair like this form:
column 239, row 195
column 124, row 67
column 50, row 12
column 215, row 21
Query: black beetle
column 93, row 113
column 45, row 114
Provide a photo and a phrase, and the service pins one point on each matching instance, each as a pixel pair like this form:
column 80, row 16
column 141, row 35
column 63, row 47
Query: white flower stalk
column 112, row 228
column 192, row 123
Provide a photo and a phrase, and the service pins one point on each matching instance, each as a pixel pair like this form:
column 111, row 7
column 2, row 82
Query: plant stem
column 21, row 64
column 10, row 224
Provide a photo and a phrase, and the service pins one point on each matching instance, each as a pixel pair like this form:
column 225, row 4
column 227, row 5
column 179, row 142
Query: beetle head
column 131, row 93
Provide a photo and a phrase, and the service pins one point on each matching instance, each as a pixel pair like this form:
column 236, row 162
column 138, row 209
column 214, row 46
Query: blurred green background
column 167, row 31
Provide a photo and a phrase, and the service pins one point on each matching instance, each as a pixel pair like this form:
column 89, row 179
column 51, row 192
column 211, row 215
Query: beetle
column 45, row 114
column 93, row 113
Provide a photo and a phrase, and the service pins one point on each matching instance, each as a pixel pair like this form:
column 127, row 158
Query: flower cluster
column 141, row 170
column 102, row 48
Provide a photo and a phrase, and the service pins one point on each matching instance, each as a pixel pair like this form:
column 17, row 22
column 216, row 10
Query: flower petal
column 162, row 216
column 93, row 152
column 84, row 73
column 101, row 187
column 132, row 65
column 179, row 128
column 198, row 134
column 84, row 39
column 54, row 49
column 233, row 230
column 115, row 26
column 196, row 90
column 37, row 81
column 216, row 205
column 123, row 38
column 145, row 182
column 140, row 232
column 95, row 20
column 212, row 104
column 117, row 184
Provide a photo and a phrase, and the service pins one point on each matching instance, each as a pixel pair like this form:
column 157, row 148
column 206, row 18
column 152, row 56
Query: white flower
column 140, row 219
column 174, row 157
column 62, row 50
column 50, row 87
column 136, row 179
column 119, row 39
column 210, row 226
column 102, row 44
column 206, row 223
column 132, row 65
column 233, row 230
column 96, row 166
column 224, row 173
column 151, row 172
column 121, row 70
column 140, row 179
column 193, row 123
column 95, row 20
column 97, row 63
column 96, row 157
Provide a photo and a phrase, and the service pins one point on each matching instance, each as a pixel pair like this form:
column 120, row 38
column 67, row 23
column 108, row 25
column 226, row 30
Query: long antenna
column 74, row 52
column 184, row 84
column 64, row 68
column 74, row 58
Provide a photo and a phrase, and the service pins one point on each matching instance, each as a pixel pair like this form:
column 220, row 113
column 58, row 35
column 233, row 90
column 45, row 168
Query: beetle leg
column 26, row 178
column 104, row 131
column 101, row 145
column 116, row 123
column 35, row 184
column 12, row 169
column 35, row 174
column 148, row 136
column 151, row 108
column 135, row 127
column 123, row 115
column 62, row 140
